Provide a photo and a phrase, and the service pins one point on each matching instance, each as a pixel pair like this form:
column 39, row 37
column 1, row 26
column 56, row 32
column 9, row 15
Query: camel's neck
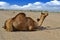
column 42, row 17
column 41, row 20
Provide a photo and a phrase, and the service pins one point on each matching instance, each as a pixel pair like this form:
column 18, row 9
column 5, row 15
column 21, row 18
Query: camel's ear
column 38, row 19
column 42, row 13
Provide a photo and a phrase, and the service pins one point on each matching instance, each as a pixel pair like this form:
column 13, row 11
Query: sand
column 52, row 22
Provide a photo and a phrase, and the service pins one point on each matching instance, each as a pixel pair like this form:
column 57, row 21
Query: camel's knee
column 9, row 29
column 8, row 25
column 30, row 28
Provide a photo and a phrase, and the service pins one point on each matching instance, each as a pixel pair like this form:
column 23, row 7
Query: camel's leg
column 30, row 28
column 9, row 29
column 42, row 17
column 9, row 25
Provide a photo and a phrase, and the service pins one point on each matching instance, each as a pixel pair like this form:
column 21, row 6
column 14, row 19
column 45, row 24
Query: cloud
column 4, row 5
column 50, row 6
column 34, row 6
column 14, row 7
column 55, row 2
column 53, row 5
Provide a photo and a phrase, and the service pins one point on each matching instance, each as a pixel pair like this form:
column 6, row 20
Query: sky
column 49, row 5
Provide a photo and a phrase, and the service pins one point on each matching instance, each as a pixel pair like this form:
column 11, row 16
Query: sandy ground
column 52, row 22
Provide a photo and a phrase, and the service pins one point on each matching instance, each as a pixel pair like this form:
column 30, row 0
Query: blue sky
column 50, row 5
column 24, row 2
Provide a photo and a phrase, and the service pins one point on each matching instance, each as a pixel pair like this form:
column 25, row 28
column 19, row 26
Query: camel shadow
column 24, row 31
column 15, row 30
column 48, row 28
column 40, row 28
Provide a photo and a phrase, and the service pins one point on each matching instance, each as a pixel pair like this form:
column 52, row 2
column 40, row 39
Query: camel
column 21, row 22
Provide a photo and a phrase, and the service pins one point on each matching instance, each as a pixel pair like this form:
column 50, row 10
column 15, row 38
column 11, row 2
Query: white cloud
column 37, row 3
column 14, row 7
column 50, row 6
column 4, row 4
column 55, row 2
column 53, row 5
column 33, row 6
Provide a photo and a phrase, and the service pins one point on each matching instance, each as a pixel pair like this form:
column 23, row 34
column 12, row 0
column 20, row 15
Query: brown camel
column 21, row 22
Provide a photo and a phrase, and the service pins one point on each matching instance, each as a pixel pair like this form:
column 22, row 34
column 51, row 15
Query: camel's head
column 42, row 17
column 44, row 14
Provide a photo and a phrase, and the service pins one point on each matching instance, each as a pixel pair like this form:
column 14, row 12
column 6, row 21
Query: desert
column 52, row 22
